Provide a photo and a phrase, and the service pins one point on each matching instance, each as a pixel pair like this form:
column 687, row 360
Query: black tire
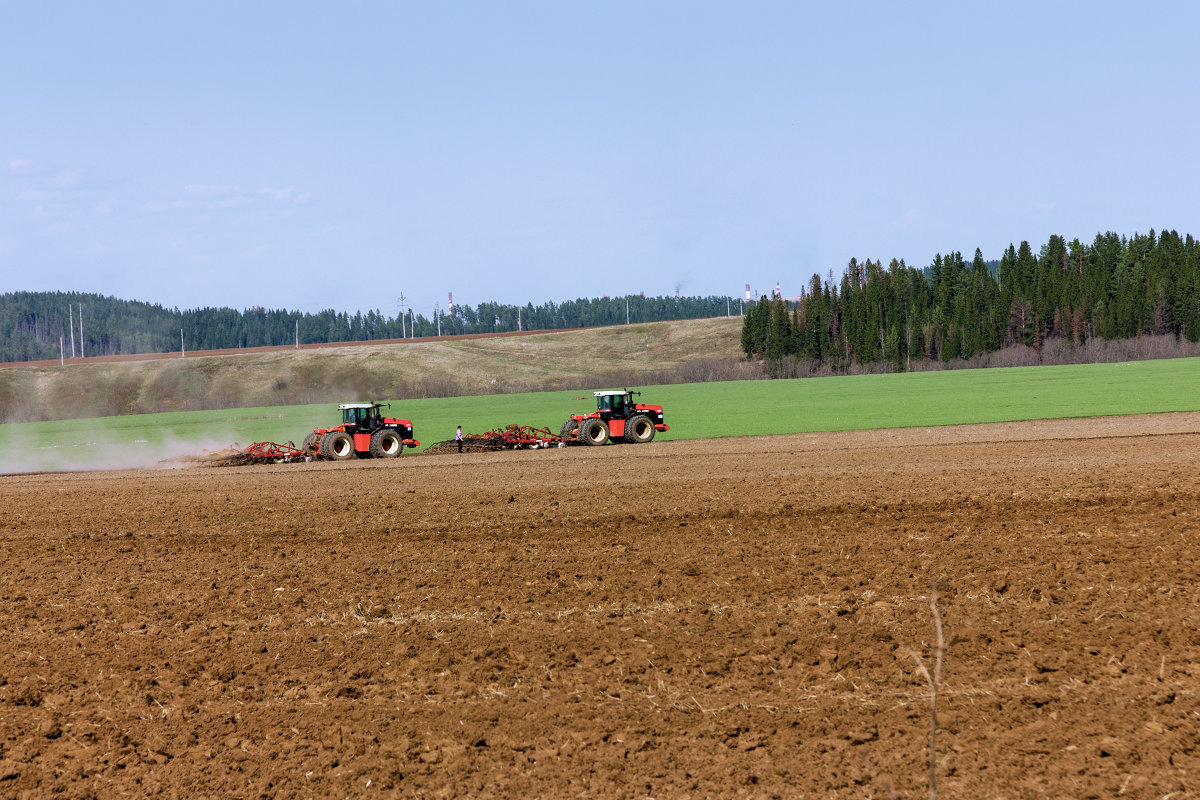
column 337, row 446
column 307, row 444
column 593, row 432
column 639, row 429
column 568, row 427
column 386, row 443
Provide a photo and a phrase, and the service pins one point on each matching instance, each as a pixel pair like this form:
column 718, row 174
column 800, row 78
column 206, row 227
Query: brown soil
column 727, row 618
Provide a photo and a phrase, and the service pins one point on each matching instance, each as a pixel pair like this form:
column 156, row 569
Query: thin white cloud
column 66, row 179
column 216, row 203
column 23, row 166
column 212, row 197
column 911, row 220
column 59, row 191
column 204, row 197
column 211, row 190
column 286, row 194
column 235, row 201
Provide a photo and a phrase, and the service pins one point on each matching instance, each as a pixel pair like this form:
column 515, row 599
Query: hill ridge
column 652, row 352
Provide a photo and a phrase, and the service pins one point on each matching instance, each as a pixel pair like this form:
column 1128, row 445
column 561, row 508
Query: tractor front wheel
column 568, row 427
column 307, row 444
column 593, row 432
column 386, row 444
column 639, row 430
column 337, row 446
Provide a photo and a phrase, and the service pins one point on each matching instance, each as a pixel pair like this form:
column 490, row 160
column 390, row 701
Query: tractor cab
column 614, row 404
column 360, row 417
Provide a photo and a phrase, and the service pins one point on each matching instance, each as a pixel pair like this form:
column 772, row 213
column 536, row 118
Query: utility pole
column 182, row 349
column 437, row 315
column 297, row 334
column 519, row 328
column 401, row 307
column 71, row 321
column 81, row 352
column 626, row 310
column 62, row 356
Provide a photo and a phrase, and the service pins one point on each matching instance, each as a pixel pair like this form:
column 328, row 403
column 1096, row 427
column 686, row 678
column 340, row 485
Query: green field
column 699, row 410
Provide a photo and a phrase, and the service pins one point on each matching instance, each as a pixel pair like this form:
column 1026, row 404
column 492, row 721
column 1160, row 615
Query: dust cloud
column 98, row 451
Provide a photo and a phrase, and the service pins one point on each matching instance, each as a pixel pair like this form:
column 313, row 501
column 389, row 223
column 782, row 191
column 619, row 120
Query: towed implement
column 270, row 451
column 617, row 418
column 364, row 433
column 518, row 437
column 508, row 437
column 257, row 453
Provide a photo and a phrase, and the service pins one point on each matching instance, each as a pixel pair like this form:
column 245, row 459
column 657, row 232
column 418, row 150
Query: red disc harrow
column 516, row 436
column 509, row 437
column 267, row 451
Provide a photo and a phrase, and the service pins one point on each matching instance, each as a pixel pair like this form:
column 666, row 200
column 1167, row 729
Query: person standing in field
column 458, row 437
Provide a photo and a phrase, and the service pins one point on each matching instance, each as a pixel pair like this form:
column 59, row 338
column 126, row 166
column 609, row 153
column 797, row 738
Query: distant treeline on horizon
column 1115, row 288
column 32, row 324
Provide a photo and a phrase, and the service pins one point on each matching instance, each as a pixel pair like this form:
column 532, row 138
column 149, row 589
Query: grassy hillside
column 660, row 352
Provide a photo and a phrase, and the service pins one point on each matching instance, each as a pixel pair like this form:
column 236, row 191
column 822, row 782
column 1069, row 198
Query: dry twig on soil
column 934, row 680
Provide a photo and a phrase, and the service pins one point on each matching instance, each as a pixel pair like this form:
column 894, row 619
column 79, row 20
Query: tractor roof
column 355, row 405
column 607, row 392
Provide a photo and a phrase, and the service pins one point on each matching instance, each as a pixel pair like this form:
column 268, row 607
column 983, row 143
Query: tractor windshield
column 611, row 402
column 355, row 416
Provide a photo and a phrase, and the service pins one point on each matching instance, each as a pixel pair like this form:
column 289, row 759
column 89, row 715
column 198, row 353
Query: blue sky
column 309, row 155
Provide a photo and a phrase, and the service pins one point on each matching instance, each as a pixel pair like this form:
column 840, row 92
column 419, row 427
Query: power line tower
column 401, row 308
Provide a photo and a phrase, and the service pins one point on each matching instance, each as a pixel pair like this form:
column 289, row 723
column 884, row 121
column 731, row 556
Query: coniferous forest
column 32, row 324
column 1065, row 295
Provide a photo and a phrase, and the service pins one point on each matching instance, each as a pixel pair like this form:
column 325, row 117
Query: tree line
column 904, row 318
column 33, row 324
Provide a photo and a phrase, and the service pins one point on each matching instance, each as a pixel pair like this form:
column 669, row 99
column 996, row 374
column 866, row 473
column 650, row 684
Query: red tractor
column 617, row 418
column 364, row 432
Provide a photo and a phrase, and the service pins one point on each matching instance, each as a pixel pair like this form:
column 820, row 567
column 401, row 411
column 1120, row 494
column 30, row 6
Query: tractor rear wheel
column 386, row 443
column 568, row 427
column 593, row 432
column 639, row 429
column 337, row 446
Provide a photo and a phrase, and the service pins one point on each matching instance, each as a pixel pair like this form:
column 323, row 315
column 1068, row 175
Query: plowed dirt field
column 730, row 618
